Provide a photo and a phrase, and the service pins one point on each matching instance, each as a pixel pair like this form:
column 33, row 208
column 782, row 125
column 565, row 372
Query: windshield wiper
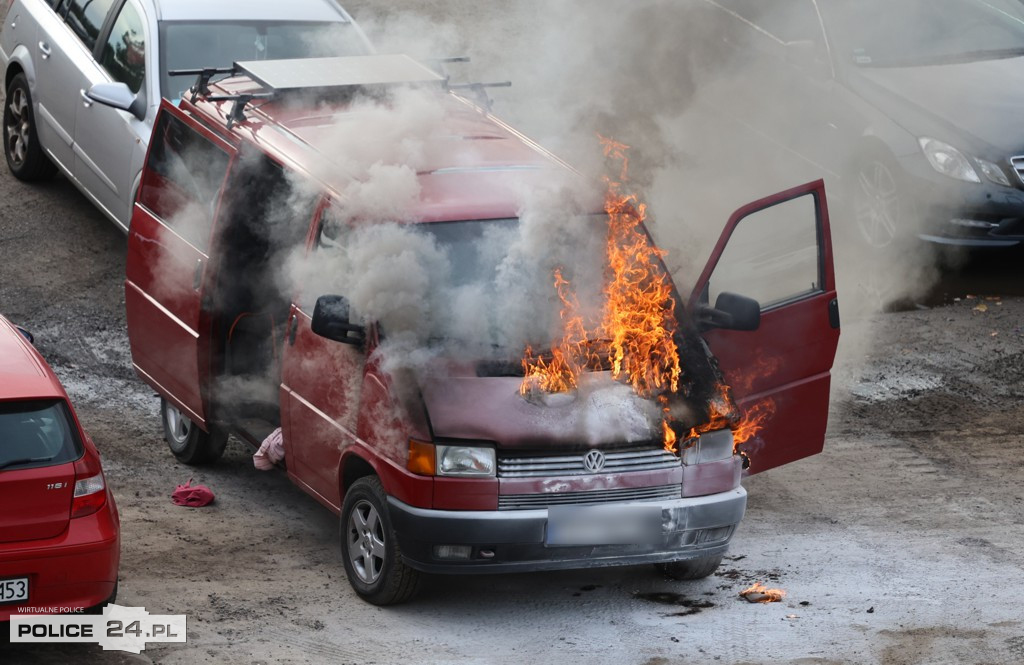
column 24, row 460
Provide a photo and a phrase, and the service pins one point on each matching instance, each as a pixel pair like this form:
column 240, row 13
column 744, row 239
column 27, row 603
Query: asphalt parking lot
column 902, row 543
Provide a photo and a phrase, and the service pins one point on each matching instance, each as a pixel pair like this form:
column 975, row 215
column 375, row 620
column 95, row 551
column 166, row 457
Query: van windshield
column 487, row 282
column 35, row 434
column 193, row 45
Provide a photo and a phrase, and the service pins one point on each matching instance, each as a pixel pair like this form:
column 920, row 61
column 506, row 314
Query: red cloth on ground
column 195, row 496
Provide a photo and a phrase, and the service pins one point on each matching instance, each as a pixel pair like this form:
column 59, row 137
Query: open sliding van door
column 168, row 251
column 777, row 251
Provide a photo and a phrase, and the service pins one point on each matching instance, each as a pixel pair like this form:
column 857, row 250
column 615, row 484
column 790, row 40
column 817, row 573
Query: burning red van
column 59, row 527
column 622, row 441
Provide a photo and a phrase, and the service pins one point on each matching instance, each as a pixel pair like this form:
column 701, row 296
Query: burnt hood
column 602, row 412
column 980, row 99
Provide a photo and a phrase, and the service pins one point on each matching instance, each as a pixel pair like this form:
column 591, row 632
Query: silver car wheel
column 179, row 427
column 877, row 205
column 366, row 547
column 18, row 127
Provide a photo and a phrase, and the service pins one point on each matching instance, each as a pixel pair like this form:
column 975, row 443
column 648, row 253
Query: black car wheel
column 189, row 444
column 369, row 548
column 25, row 157
column 690, row 569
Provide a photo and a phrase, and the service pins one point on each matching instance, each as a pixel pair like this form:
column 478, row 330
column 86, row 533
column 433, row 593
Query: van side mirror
column 731, row 312
column 119, row 96
column 330, row 320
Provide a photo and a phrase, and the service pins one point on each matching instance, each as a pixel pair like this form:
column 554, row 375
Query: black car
column 915, row 106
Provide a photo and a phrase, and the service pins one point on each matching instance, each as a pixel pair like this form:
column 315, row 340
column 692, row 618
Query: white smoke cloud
column 668, row 78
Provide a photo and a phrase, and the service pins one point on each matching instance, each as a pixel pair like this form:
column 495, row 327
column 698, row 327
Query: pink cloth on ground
column 195, row 496
column 271, row 451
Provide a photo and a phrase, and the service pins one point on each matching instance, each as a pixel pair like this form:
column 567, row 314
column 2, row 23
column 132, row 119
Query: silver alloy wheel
column 366, row 548
column 877, row 204
column 179, row 427
column 18, row 127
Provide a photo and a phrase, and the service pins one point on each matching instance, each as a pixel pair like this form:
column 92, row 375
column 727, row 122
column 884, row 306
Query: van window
column 183, row 179
column 773, row 256
column 86, row 17
column 124, row 54
column 35, row 434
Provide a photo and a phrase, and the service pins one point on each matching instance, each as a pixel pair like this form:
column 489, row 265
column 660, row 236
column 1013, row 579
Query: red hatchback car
column 59, row 528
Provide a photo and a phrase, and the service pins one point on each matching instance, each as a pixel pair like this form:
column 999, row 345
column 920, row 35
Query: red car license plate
column 14, row 590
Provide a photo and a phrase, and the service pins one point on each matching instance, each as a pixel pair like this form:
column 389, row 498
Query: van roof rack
column 334, row 74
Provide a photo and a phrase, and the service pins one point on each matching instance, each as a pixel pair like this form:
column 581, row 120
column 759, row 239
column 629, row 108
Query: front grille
column 534, row 466
column 528, row 501
column 1018, row 166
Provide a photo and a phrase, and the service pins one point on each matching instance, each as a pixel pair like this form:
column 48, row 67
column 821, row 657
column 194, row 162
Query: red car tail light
column 90, row 487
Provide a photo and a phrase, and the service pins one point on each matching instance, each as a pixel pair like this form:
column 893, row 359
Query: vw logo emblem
column 593, row 461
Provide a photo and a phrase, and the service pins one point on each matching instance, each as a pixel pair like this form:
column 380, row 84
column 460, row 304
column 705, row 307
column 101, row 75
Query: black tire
column 369, row 547
column 690, row 569
column 189, row 444
column 25, row 157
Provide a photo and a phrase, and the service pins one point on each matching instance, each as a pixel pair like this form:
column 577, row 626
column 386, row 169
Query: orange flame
column 744, row 425
column 668, row 435
column 639, row 311
column 638, row 324
column 758, row 593
column 568, row 357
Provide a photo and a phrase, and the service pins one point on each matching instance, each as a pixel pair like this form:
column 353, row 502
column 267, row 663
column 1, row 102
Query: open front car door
column 766, row 304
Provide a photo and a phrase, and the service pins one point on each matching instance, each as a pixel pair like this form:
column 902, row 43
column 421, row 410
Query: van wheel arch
column 354, row 467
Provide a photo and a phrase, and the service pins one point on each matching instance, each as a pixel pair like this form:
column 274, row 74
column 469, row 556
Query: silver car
column 84, row 78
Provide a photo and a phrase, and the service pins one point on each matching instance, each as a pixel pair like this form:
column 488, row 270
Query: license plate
column 14, row 590
column 603, row 525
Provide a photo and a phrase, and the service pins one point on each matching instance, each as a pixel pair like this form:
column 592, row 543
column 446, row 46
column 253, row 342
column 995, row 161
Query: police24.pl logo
column 118, row 629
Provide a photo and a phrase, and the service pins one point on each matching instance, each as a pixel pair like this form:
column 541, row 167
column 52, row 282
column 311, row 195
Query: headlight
column 993, row 172
column 713, row 446
column 947, row 160
column 465, row 461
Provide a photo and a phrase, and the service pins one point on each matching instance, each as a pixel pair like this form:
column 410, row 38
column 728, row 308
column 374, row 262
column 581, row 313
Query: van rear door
column 777, row 251
column 168, row 252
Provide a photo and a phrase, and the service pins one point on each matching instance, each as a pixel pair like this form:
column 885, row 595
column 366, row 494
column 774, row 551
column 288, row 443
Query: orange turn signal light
column 421, row 458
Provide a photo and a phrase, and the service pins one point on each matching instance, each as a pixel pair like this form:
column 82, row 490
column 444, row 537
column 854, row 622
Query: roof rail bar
column 237, row 112
column 438, row 64
column 203, row 76
column 479, row 90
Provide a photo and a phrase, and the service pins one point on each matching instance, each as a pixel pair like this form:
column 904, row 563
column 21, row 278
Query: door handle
column 197, row 276
column 44, row 48
column 86, row 102
column 293, row 327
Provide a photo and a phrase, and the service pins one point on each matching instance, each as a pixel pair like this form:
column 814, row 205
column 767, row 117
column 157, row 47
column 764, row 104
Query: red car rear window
column 35, row 434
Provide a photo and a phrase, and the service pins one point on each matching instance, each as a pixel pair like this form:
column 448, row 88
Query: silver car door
column 59, row 57
column 110, row 144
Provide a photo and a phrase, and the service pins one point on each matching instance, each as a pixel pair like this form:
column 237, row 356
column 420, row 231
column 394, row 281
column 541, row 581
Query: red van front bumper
column 517, row 540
